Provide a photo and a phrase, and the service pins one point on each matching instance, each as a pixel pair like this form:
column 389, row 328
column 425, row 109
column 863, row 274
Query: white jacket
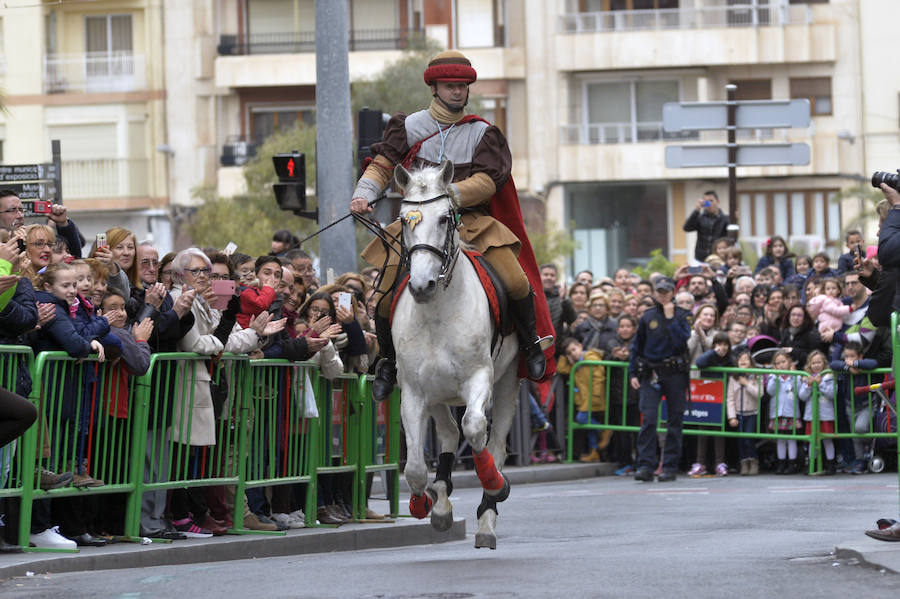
column 826, row 398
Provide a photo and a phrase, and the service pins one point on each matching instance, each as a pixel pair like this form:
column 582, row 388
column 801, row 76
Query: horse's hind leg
column 448, row 437
column 412, row 411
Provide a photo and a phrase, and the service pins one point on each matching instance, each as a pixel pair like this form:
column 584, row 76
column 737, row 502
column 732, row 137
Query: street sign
column 27, row 172
column 698, row 156
column 750, row 114
column 32, row 191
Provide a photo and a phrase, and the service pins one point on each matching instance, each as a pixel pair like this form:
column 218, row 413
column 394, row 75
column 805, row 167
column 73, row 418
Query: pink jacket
column 828, row 310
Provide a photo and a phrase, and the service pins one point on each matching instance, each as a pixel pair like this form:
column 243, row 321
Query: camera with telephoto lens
column 892, row 179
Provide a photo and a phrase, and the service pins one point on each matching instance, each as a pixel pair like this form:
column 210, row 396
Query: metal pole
column 57, row 164
column 334, row 137
column 733, row 227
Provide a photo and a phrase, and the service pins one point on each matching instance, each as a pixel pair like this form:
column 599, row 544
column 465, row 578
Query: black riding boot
column 526, row 330
column 386, row 369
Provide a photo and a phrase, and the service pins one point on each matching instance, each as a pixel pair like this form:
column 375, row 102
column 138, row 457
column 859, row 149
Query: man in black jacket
column 562, row 313
column 884, row 283
column 709, row 222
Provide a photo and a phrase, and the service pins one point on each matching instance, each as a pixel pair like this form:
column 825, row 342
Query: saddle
column 498, row 299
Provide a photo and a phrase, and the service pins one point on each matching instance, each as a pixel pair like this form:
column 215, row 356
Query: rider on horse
column 482, row 190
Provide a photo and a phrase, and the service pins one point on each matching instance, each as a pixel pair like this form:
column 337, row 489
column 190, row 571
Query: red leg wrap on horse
column 487, row 472
column 420, row 505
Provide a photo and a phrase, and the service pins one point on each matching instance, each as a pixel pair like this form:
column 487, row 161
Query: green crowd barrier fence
column 192, row 422
column 612, row 404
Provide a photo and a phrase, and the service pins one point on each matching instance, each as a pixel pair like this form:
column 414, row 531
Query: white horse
column 442, row 332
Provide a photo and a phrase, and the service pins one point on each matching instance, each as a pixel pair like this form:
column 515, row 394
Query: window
column 627, row 111
column 479, row 23
column 612, row 227
column 753, row 89
column 791, row 214
column 817, row 90
column 108, row 42
column 266, row 120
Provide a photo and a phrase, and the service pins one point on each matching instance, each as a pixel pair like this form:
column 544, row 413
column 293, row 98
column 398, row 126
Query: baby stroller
column 884, row 420
column 762, row 348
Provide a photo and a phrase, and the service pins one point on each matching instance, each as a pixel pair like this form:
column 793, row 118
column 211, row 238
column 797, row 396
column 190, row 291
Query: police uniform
column 659, row 361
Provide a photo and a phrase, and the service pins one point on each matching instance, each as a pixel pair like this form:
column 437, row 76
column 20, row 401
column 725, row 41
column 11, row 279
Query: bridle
column 448, row 255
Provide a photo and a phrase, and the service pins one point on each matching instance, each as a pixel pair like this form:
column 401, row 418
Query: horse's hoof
column 485, row 540
column 502, row 494
column 441, row 522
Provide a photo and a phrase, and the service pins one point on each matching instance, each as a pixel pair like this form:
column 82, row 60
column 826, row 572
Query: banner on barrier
column 704, row 404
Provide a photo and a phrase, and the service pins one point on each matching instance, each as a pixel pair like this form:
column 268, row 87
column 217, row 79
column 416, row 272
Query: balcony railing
column 94, row 72
column 305, row 41
column 704, row 17
column 237, row 151
column 618, row 133
column 106, row 178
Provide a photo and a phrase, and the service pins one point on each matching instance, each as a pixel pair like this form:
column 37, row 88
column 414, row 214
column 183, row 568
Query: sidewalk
column 403, row 531
column 876, row 554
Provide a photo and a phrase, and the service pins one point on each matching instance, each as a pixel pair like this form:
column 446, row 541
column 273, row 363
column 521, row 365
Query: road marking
column 679, row 491
column 800, row 489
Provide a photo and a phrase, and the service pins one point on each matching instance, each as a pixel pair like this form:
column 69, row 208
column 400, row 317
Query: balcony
column 719, row 35
column 105, row 178
column 703, row 17
column 94, row 72
column 618, row 133
column 237, row 151
column 305, row 41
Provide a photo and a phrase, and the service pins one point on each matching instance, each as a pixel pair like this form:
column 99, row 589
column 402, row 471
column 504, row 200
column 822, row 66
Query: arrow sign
column 32, row 191
column 696, row 156
column 750, row 114
column 27, row 172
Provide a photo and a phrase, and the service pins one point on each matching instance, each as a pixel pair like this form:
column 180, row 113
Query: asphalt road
column 767, row 536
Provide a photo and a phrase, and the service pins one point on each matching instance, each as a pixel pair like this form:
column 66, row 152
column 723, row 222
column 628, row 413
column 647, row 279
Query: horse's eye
column 444, row 220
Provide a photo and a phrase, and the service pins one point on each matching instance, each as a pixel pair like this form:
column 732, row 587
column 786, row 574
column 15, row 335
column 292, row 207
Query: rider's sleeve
column 491, row 167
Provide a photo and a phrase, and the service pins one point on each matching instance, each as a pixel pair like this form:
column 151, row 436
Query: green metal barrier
column 188, row 439
column 617, row 405
column 282, row 444
column 379, row 445
column 341, row 417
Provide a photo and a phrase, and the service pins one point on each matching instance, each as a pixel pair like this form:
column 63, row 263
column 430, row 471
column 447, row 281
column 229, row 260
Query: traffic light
column 290, row 191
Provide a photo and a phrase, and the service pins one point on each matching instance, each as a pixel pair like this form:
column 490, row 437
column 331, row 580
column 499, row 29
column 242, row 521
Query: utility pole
column 334, row 137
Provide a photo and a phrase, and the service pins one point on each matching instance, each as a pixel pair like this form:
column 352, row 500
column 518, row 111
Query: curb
column 872, row 553
column 349, row 537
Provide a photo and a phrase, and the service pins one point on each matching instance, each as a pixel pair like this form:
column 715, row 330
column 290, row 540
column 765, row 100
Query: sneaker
column 267, row 520
column 52, row 539
column 625, row 470
column 282, row 520
column 666, row 476
column 83, row 480
column 52, row 480
column 299, row 515
column 697, row 470
column 722, row 469
column 857, row 467
column 252, row 522
column 189, row 529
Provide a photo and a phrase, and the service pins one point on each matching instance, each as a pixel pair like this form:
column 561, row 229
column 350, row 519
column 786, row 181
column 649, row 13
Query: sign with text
column 704, row 404
column 32, row 191
column 27, row 172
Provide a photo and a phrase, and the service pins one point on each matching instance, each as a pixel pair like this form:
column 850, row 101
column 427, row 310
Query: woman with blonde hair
column 39, row 240
column 119, row 255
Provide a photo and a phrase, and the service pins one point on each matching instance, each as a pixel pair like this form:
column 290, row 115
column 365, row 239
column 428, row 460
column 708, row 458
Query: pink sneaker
column 722, row 469
column 697, row 470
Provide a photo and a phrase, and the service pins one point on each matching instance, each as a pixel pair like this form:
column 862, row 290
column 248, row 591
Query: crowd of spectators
column 120, row 301
column 789, row 312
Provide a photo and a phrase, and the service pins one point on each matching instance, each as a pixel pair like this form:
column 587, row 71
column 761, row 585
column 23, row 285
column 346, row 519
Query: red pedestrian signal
column 290, row 191
column 290, row 167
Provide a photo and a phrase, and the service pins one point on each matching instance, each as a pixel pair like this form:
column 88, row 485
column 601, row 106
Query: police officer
column 659, row 367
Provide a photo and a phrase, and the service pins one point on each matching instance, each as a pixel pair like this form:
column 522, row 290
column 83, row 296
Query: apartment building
column 91, row 76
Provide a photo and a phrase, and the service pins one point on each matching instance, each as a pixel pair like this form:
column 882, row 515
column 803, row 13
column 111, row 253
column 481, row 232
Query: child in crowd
column 827, row 307
column 718, row 356
column 784, row 413
column 853, row 239
column 777, row 255
column 851, row 366
column 816, row 366
column 259, row 295
column 742, row 406
column 803, row 269
column 821, row 266
column 589, row 392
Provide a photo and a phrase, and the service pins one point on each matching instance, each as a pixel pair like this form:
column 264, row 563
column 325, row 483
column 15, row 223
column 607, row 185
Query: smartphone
column 695, row 270
column 22, row 245
column 224, row 291
column 41, row 207
column 707, row 204
column 101, row 240
column 860, row 254
column 229, row 249
column 344, row 300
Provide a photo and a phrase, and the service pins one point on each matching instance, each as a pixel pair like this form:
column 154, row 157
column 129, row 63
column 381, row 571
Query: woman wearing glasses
column 39, row 241
column 193, row 418
column 119, row 256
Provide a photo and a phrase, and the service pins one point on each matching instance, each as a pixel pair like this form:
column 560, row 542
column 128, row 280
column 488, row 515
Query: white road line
column 679, row 491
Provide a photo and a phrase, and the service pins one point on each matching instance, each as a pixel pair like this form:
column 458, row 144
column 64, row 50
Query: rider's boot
column 386, row 369
column 526, row 330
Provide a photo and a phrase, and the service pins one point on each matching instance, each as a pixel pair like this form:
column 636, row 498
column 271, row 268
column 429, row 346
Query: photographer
column 883, row 282
column 709, row 222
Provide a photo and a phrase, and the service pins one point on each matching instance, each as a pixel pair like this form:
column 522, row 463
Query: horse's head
column 430, row 219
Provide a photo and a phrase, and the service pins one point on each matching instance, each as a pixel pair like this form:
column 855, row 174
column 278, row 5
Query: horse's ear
column 401, row 176
column 446, row 172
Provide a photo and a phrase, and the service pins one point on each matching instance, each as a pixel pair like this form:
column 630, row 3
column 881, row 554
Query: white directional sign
column 696, row 156
column 750, row 114
column 27, row 172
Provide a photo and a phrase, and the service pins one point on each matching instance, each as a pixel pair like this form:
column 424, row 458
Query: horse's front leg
column 477, row 393
column 412, row 411
column 448, row 437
